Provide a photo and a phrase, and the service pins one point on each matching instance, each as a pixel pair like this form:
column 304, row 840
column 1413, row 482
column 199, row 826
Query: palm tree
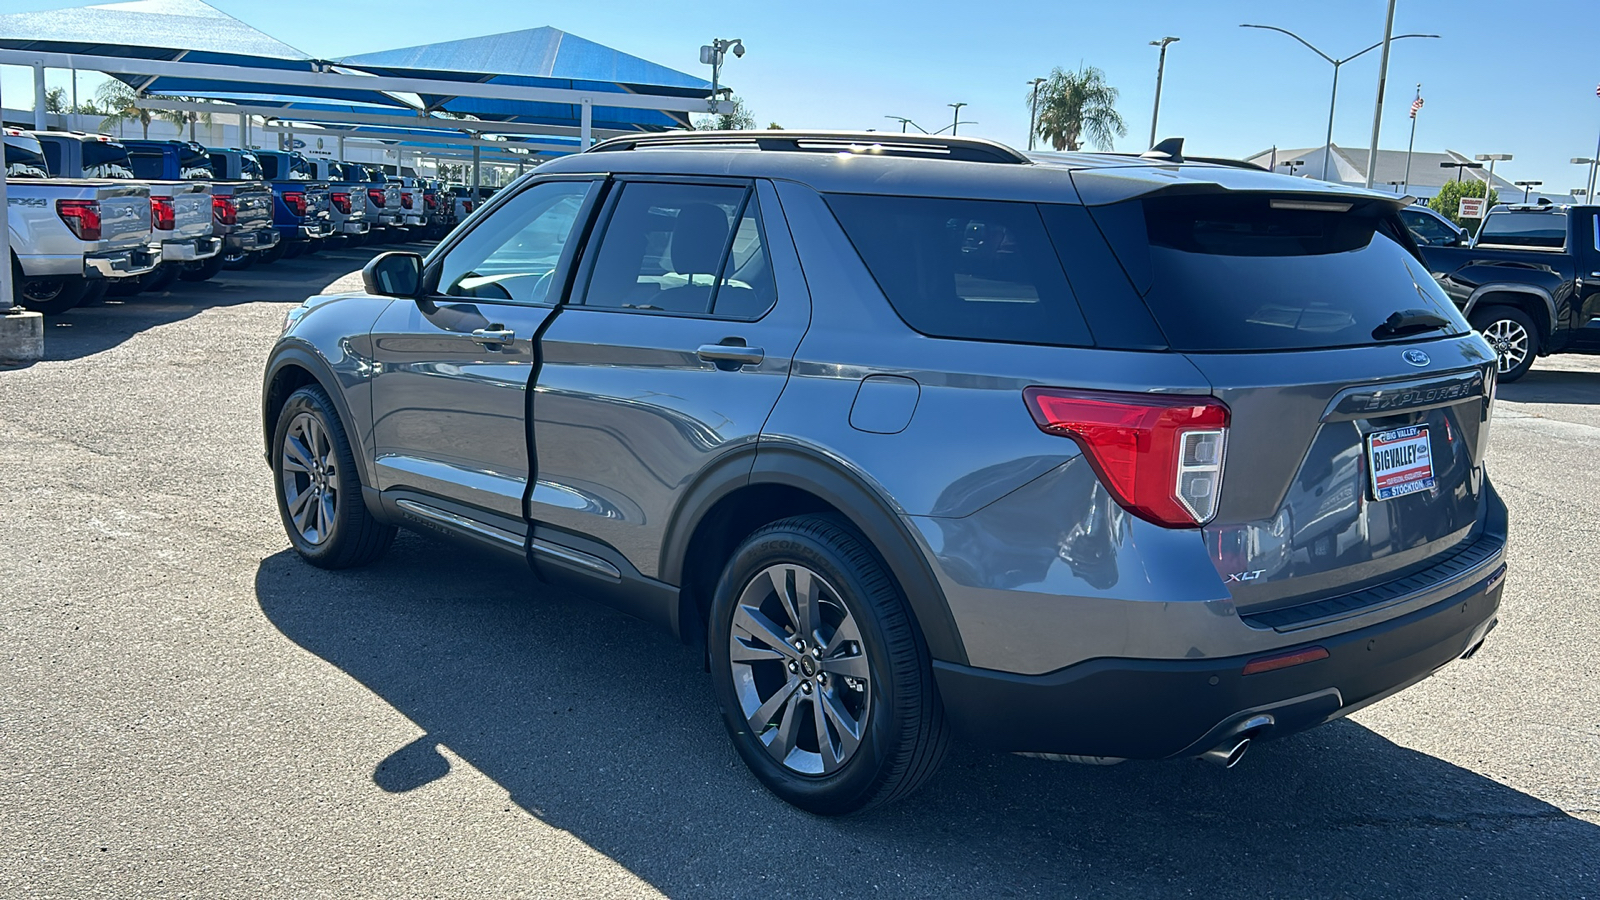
column 1078, row 106
column 118, row 101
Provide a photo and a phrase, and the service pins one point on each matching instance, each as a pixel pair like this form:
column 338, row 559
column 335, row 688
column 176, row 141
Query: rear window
column 1525, row 229
column 969, row 269
column 105, row 159
column 1249, row 272
column 194, row 164
column 146, row 163
column 25, row 159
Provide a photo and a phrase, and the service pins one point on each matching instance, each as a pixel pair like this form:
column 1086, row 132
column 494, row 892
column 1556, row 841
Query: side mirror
column 397, row 273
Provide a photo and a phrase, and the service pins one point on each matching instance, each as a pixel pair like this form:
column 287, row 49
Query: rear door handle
column 488, row 336
column 731, row 356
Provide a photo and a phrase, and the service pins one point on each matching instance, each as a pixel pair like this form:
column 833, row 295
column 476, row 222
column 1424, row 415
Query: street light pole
column 1033, row 110
column 1333, row 96
column 1161, row 68
column 1377, row 110
column 955, row 119
column 1488, row 182
column 1527, row 188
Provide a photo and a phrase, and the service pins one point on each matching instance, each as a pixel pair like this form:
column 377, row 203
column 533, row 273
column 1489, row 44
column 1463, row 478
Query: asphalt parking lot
column 188, row 710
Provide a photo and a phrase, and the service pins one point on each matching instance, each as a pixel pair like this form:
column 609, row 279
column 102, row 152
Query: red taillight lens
column 341, row 201
column 466, row 205
column 431, row 200
column 296, row 201
column 1160, row 457
column 162, row 216
column 376, row 194
column 225, row 210
column 82, row 216
column 405, row 200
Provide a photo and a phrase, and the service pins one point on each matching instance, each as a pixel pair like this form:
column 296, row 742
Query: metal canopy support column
column 5, row 228
column 341, row 148
column 477, row 166
column 586, row 123
column 38, row 96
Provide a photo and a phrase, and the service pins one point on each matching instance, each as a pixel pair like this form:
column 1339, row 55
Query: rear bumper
column 314, row 231
column 1157, row 709
column 415, row 220
column 260, row 239
column 354, row 227
column 190, row 249
column 388, row 219
column 121, row 263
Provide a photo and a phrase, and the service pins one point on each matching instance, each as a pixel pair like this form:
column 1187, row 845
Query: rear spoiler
column 1114, row 184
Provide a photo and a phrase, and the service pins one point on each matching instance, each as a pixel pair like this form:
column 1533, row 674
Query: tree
column 55, row 100
column 741, row 119
column 118, row 101
column 1078, row 107
column 1447, row 202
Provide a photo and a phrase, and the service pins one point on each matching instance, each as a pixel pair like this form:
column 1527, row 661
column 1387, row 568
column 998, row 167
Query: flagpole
column 1594, row 164
column 1413, row 144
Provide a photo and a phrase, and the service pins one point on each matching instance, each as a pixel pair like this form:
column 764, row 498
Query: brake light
column 405, row 200
column 162, row 216
column 341, row 201
column 296, row 201
column 1159, row 457
column 82, row 216
column 376, row 195
column 225, row 211
column 431, row 200
column 466, row 205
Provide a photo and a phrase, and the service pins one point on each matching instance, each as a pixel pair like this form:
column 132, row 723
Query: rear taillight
column 1160, row 457
column 431, row 201
column 341, row 201
column 296, row 201
column 466, row 206
column 376, row 195
column 224, row 210
column 162, row 216
column 82, row 216
column 405, row 200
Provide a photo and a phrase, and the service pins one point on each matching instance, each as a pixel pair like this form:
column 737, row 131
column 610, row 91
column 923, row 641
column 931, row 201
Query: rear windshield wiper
column 1409, row 321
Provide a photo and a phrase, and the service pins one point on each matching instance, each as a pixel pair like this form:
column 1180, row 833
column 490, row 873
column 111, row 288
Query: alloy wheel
column 799, row 669
column 43, row 290
column 310, row 478
column 1510, row 342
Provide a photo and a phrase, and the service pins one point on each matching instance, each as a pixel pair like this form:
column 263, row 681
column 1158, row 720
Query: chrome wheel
column 799, row 669
column 1510, row 342
column 310, row 480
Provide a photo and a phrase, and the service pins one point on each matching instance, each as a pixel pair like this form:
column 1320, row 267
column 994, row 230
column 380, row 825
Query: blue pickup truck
column 255, row 235
column 241, row 208
column 300, row 203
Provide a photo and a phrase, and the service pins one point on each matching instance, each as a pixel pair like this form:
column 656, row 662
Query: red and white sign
column 1470, row 208
column 1401, row 462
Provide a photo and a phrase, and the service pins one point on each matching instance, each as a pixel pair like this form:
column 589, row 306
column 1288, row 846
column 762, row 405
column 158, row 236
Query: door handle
column 731, row 356
column 488, row 336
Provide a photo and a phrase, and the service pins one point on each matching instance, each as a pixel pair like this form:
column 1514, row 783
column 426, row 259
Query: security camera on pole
column 712, row 55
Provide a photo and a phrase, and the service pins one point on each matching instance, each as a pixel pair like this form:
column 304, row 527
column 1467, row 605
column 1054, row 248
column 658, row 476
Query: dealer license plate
column 1401, row 462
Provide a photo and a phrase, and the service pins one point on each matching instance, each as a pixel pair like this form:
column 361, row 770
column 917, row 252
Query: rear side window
column 968, row 269
column 1525, row 229
column 1247, row 272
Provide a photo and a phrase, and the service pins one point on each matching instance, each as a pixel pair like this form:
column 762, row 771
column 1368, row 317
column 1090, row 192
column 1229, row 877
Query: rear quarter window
column 966, row 269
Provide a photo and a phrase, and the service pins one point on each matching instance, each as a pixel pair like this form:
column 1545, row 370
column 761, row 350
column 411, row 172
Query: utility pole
column 1161, row 68
column 955, row 119
column 1033, row 111
column 1377, row 110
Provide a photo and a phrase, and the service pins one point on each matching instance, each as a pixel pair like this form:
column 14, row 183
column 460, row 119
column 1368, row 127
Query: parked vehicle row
column 1529, row 281
column 206, row 209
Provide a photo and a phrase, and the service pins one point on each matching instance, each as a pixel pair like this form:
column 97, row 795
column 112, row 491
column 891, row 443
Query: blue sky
column 1504, row 78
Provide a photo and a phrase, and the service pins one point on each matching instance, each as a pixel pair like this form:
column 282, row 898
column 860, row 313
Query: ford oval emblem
column 1416, row 358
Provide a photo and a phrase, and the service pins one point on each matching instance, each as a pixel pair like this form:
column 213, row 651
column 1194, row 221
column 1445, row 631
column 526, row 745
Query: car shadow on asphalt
column 108, row 323
column 602, row 727
column 1552, row 386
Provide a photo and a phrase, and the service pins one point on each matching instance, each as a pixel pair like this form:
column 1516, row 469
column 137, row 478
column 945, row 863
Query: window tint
column 105, row 159
column 974, row 269
column 1426, row 228
column 24, row 159
column 1525, row 229
column 269, row 166
column 146, row 163
column 667, row 249
column 52, row 153
column 1233, row 273
column 512, row 255
column 193, row 164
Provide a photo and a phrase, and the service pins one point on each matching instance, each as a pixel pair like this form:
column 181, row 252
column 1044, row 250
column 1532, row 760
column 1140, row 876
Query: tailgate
column 253, row 200
column 191, row 208
column 124, row 216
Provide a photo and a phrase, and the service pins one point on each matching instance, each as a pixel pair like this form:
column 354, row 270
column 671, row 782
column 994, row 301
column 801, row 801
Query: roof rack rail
column 925, row 146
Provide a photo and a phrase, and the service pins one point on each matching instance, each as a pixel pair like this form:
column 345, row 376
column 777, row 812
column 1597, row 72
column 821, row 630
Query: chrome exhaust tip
column 1227, row 755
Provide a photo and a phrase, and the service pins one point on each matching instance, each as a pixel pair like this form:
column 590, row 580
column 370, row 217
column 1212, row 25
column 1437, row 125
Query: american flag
column 1417, row 104
column 1597, row 90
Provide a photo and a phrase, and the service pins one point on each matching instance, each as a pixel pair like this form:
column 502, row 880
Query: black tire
column 237, row 260
column 352, row 241
column 271, row 254
column 904, row 737
column 1512, row 334
column 50, row 296
column 94, row 292
column 293, row 249
column 201, row 270
column 161, row 279
column 352, row 536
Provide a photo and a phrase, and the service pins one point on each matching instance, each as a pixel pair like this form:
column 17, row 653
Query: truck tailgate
column 124, row 215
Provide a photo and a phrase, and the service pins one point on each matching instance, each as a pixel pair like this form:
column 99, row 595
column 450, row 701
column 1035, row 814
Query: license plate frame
column 1406, row 457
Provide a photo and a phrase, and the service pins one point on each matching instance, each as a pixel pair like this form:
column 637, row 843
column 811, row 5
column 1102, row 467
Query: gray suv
column 1091, row 456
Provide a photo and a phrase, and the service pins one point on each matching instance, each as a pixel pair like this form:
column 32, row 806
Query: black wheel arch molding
column 1541, row 299
column 302, row 355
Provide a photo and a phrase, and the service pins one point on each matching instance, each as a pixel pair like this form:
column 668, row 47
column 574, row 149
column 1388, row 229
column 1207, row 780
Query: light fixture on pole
column 955, row 120
column 1488, row 181
column 1293, row 165
column 1161, row 68
column 904, row 122
column 1033, row 110
column 1395, row 185
column 1459, row 166
column 1327, row 150
column 1527, row 188
column 713, row 54
column 1590, row 162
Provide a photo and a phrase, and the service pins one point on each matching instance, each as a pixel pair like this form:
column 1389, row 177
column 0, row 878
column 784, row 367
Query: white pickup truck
column 180, row 210
column 70, row 236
